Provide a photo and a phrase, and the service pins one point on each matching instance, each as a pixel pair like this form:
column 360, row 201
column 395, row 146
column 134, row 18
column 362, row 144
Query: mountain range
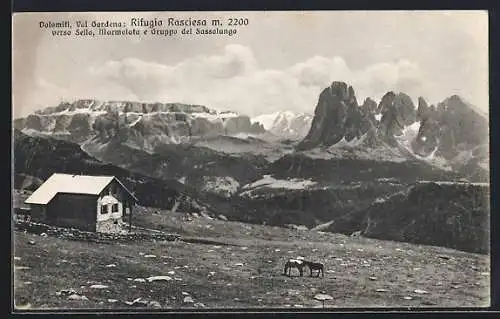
column 280, row 168
column 451, row 135
column 286, row 124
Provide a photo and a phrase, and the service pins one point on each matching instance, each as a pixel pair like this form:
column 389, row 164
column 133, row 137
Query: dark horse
column 294, row 263
column 315, row 266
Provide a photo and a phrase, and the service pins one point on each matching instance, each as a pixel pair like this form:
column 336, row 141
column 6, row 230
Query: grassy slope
column 57, row 264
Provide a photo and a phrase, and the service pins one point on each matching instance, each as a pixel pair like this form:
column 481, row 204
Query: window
column 114, row 208
column 104, row 209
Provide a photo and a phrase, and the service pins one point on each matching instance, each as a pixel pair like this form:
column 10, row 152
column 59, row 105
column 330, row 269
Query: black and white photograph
column 246, row 160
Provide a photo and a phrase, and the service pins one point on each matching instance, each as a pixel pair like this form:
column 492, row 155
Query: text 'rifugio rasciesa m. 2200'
column 171, row 22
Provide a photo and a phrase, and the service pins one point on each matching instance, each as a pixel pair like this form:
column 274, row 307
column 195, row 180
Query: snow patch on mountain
column 214, row 116
column 245, row 136
column 135, row 122
column 90, row 111
column 453, row 183
column 285, row 123
column 222, row 185
column 267, row 120
column 355, row 142
column 32, row 132
column 408, row 134
column 271, row 182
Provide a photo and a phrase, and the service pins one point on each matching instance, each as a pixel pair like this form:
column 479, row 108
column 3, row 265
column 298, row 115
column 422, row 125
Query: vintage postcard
column 250, row 160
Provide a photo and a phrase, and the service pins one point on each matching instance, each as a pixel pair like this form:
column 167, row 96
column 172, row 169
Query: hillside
column 455, row 215
column 348, row 170
column 39, row 158
column 242, row 269
column 299, row 193
column 195, row 166
column 281, row 202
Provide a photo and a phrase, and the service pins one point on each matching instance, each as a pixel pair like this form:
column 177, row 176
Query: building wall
column 73, row 210
column 110, row 226
column 38, row 212
column 107, row 220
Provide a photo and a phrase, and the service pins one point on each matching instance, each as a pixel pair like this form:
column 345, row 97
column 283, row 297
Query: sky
column 279, row 61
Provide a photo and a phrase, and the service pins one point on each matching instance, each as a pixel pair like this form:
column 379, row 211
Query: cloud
column 139, row 78
column 237, row 60
column 402, row 75
column 43, row 94
column 233, row 80
column 318, row 70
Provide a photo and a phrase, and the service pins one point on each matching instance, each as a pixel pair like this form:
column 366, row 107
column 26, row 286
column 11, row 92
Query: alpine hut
column 91, row 203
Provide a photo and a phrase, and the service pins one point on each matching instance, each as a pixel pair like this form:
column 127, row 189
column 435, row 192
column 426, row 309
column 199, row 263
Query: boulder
column 222, row 217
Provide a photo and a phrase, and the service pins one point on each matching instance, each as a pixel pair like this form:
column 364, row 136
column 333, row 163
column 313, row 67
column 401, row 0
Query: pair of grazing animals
column 300, row 264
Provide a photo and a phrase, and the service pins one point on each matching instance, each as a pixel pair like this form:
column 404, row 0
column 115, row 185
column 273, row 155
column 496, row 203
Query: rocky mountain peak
column 454, row 128
column 369, row 106
column 397, row 112
column 454, row 99
column 386, row 102
column 336, row 115
column 457, row 104
column 423, row 110
column 453, row 132
column 341, row 90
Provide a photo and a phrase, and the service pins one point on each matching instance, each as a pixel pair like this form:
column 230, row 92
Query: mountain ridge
column 451, row 135
column 286, row 124
column 171, row 122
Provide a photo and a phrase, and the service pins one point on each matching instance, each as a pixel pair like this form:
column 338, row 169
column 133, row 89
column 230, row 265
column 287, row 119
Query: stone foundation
column 77, row 234
column 110, row 226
